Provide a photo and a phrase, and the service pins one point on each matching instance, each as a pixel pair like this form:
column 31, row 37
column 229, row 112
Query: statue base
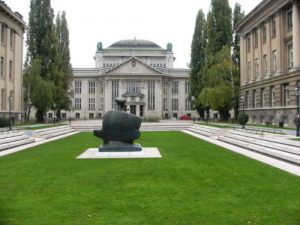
column 118, row 146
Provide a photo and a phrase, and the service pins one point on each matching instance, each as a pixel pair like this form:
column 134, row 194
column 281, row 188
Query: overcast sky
column 108, row 21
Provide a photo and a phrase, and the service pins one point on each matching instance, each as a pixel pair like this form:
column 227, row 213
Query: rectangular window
column 101, row 87
column 78, row 103
column 187, row 88
column 115, row 92
column 165, row 88
column 101, row 104
column 2, row 67
column 11, row 69
column 248, row 72
column 12, row 39
column 175, row 88
column 165, row 104
column 290, row 56
column 262, row 97
column 248, row 42
column 272, row 96
column 3, row 33
column 256, row 68
column 12, row 101
column 255, row 39
column 290, row 20
column 151, row 95
column 187, row 104
column 3, row 98
column 92, row 104
column 254, row 99
column 247, row 99
column 174, row 104
column 133, row 86
column 286, row 95
column 273, row 24
column 77, row 115
column 77, row 87
column 265, row 65
column 264, row 34
column 91, row 87
column 274, row 61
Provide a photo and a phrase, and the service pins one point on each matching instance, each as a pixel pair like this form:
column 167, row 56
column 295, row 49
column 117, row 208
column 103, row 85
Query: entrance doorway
column 141, row 110
column 133, row 109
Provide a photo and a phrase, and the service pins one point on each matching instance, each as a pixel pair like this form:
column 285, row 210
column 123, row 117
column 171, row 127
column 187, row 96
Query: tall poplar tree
column 198, row 56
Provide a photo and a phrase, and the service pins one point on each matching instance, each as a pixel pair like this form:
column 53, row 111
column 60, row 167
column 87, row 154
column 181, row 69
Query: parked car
column 185, row 117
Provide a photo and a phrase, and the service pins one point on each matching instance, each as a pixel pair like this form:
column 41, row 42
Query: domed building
column 140, row 71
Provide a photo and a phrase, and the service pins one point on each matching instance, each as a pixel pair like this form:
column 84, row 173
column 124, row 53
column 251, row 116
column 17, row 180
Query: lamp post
column 297, row 89
column 243, row 98
column 10, row 99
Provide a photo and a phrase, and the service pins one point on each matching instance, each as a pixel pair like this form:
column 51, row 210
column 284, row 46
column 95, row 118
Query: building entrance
column 133, row 109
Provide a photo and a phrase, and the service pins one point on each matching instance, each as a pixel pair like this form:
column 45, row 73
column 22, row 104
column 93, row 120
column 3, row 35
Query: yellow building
column 270, row 61
column 12, row 29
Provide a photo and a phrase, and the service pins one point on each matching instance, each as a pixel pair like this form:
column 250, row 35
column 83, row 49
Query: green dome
column 135, row 44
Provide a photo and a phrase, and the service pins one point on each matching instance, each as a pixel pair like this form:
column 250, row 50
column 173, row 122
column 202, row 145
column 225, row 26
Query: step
column 4, row 136
column 13, row 139
column 58, row 133
column 16, row 144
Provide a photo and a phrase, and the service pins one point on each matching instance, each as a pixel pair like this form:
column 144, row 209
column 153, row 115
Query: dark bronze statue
column 119, row 130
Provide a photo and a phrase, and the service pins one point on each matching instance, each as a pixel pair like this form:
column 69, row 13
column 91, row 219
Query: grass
column 194, row 183
column 216, row 125
column 42, row 126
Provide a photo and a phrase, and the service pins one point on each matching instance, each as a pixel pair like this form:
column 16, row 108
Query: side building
column 12, row 28
column 270, row 62
column 138, row 70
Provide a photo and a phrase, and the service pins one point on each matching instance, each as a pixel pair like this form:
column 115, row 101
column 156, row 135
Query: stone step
column 16, row 144
column 9, row 135
column 13, row 139
column 57, row 133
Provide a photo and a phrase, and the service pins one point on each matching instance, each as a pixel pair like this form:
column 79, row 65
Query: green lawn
column 194, row 183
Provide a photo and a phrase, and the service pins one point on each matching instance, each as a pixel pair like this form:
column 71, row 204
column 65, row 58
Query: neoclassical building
column 270, row 61
column 138, row 70
column 12, row 29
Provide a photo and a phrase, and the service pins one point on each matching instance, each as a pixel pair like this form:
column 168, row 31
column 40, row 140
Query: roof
column 14, row 15
column 135, row 44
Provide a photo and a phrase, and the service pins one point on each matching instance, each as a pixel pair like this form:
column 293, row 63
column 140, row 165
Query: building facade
column 138, row 70
column 270, row 61
column 12, row 29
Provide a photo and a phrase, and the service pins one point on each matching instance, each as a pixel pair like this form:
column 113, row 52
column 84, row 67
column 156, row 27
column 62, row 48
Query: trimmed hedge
column 4, row 122
column 243, row 119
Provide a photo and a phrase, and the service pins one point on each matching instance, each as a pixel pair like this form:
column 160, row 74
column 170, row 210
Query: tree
column 238, row 15
column 197, row 53
column 64, row 76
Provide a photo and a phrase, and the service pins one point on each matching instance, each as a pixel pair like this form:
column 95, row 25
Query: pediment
column 133, row 66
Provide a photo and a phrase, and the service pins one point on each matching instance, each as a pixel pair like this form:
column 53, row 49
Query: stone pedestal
column 118, row 146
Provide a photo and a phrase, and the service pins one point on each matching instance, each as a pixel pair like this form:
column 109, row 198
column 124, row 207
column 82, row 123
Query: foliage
column 243, row 118
column 194, row 183
column 4, row 122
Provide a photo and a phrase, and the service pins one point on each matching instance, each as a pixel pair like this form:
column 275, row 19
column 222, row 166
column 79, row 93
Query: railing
column 258, row 130
column 5, row 130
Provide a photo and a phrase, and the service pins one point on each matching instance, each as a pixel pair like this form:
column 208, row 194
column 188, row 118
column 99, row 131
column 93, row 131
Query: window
column 273, row 24
column 290, row 56
column 77, row 115
column 272, row 96
column 290, row 20
column 151, row 95
column 256, row 68
column 91, row 103
column 91, row 87
column 78, row 103
column 165, row 104
column 12, row 39
column 115, row 92
column 12, row 103
column 165, row 88
column 248, row 42
column 175, row 88
column 254, row 99
column 286, row 95
column 262, row 97
column 255, row 39
column 3, row 98
column 91, row 115
column 2, row 67
column 101, row 104
column 134, row 86
column 248, row 71
column 10, row 69
column 187, row 88
column 77, row 87
column 247, row 99
column 274, row 61
column 264, row 34
column 174, row 104
column 50, row 115
column 265, row 65
column 187, row 104
column 101, row 87
column 3, row 33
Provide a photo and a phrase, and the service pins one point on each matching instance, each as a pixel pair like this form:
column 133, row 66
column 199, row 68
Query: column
column 296, row 33
column 137, row 112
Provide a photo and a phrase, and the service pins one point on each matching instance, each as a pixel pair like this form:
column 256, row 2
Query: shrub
column 243, row 119
column 151, row 119
column 4, row 122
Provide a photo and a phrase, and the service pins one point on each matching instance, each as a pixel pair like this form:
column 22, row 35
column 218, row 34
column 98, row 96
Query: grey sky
column 108, row 21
